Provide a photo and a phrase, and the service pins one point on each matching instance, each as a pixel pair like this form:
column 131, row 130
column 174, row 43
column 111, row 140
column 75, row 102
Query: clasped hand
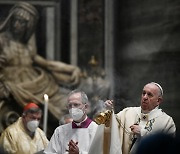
column 73, row 148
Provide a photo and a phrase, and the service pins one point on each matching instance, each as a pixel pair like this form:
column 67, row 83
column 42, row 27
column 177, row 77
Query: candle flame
column 45, row 97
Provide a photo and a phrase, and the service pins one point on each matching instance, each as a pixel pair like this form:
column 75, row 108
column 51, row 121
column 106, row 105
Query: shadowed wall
column 147, row 48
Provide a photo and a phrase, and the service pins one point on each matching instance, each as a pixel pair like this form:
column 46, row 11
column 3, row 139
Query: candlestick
column 46, row 100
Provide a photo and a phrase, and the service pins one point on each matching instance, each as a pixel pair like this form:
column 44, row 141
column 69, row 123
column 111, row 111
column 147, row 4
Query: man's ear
column 160, row 100
column 86, row 107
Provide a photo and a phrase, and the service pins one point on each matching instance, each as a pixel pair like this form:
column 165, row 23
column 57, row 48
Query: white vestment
column 64, row 133
column 153, row 122
column 107, row 140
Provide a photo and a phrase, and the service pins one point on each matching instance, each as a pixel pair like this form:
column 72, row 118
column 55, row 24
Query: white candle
column 46, row 99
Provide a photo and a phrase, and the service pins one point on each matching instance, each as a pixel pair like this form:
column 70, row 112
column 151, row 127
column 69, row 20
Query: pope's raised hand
column 109, row 104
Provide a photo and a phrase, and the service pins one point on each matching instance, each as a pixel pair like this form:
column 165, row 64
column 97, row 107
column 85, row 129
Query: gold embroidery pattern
column 149, row 125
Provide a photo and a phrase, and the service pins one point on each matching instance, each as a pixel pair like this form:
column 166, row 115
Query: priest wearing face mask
column 74, row 137
column 24, row 136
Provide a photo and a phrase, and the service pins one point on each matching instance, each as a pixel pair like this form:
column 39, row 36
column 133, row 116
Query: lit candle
column 46, row 99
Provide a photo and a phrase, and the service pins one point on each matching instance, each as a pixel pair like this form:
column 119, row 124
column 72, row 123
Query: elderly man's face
column 31, row 120
column 75, row 101
column 77, row 109
column 150, row 98
column 33, row 116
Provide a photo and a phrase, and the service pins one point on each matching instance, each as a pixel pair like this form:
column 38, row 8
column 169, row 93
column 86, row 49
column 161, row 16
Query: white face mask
column 32, row 125
column 76, row 113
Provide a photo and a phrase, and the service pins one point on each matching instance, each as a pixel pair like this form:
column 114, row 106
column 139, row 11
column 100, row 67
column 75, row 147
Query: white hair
column 159, row 86
column 84, row 97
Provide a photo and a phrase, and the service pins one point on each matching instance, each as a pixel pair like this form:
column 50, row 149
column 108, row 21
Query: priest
column 134, row 123
column 24, row 136
column 74, row 137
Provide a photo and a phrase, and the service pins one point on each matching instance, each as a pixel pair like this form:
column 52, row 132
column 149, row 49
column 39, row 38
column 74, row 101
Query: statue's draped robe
column 25, row 81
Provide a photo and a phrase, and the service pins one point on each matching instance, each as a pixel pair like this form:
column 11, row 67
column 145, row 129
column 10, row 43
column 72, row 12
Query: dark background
column 147, row 48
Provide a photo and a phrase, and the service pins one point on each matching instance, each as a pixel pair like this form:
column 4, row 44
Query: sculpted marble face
column 18, row 26
column 150, row 97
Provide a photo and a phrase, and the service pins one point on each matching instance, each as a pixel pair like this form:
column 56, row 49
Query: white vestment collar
column 148, row 116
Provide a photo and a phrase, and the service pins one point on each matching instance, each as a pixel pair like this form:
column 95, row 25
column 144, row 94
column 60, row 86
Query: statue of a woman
column 24, row 75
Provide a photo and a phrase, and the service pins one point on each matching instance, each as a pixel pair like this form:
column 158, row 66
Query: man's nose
column 145, row 96
column 72, row 106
